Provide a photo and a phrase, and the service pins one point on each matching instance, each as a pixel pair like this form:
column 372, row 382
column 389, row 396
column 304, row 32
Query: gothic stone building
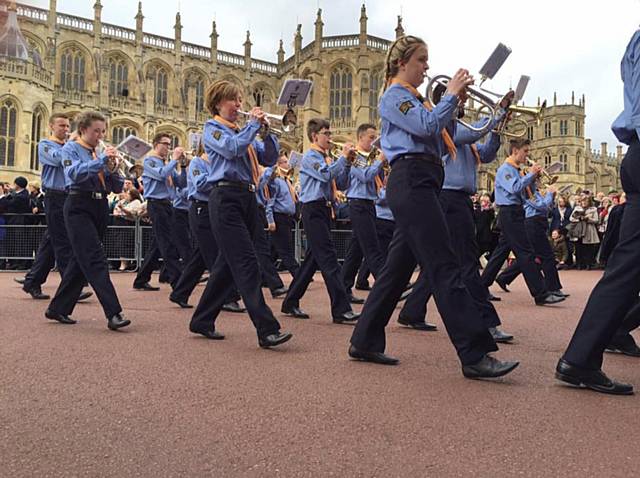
column 147, row 84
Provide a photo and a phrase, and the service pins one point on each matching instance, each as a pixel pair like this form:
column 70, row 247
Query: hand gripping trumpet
column 546, row 179
column 289, row 120
column 118, row 163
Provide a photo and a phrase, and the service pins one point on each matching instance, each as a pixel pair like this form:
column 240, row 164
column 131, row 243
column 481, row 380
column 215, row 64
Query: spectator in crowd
column 612, row 231
column 17, row 204
column 583, row 233
column 126, row 211
column 559, row 246
column 603, row 216
column 559, row 221
column 485, row 226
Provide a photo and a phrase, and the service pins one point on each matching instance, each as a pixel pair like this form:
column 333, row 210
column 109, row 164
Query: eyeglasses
column 326, row 133
column 165, row 143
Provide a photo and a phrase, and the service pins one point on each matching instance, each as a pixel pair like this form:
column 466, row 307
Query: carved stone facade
column 147, row 84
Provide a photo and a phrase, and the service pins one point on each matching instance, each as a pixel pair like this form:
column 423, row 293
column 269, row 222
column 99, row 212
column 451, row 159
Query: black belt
column 318, row 202
column 161, row 201
column 236, row 184
column 88, row 194
column 365, row 201
column 197, row 202
column 511, row 206
column 55, row 192
column 421, row 157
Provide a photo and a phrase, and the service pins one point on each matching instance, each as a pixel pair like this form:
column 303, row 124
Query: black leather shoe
column 84, row 295
column 375, row 357
column 488, row 367
column 549, row 299
column 145, row 286
column 502, row 284
column 274, row 340
column 234, row 307
column 355, row 300
column 417, row 325
column 592, row 379
column 493, row 298
column 210, row 334
column 363, row 287
column 63, row 319
column 117, row 321
column 296, row 312
column 282, row 291
column 625, row 345
column 500, row 336
column 346, row 318
column 559, row 293
column 37, row 294
column 19, row 280
column 181, row 303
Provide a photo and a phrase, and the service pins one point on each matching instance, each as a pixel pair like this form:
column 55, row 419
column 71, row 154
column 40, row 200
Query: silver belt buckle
column 252, row 188
column 328, row 204
column 97, row 195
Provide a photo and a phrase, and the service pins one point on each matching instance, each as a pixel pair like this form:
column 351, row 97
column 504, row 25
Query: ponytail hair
column 400, row 50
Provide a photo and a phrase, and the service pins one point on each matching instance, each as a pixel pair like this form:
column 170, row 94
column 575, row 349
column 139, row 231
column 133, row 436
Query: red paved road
column 157, row 401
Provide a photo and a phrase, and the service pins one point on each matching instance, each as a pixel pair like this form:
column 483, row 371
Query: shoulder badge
column 217, row 134
column 152, row 163
column 316, row 166
column 66, row 162
column 406, row 106
column 46, row 149
column 196, row 172
column 507, row 176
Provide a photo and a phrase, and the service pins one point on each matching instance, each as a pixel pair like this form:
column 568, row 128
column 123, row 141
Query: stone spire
column 297, row 40
column 319, row 24
column 363, row 19
column 177, row 28
column 214, row 47
column 280, row 53
column 247, row 52
column 139, row 20
column 399, row 28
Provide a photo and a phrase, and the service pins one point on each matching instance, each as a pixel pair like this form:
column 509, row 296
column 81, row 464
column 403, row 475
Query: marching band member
column 160, row 180
column 55, row 247
column 414, row 138
column 318, row 191
column 512, row 185
column 206, row 250
column 361, row 195
column 460, row 179
column 89, row 179
column 233, row 155
column 281, row 210
column 180, row 231
column 612, row 301
column 536, row 210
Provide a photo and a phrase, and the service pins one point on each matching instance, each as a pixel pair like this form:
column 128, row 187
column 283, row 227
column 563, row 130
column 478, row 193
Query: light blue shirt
column 382, row 206
column 510, row 186
column 280, row 200
column 227, row 151
column 316, row 176
column 50, row 157
column 155, row 175
column 408, row 127
column 181, row 199
column 461, row 174
column 362, row 183
column 197, row 180
column 626, row 127
column 81, row 171
column 539, row 205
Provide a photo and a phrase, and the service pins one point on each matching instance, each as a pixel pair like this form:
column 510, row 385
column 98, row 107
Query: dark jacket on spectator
column 559, row 222
column 560, row 250
column 16, row 203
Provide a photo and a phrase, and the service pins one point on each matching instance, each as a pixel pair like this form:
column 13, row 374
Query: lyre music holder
column 294, row 93
column 495, row 62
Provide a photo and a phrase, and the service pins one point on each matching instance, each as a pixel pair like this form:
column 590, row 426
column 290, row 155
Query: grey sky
column 564, row 45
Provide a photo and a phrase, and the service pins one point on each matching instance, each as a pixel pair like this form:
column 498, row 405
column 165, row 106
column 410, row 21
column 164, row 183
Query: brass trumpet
column 336, row 151
column 546, row 179
column 118, row 163
column 289, row 120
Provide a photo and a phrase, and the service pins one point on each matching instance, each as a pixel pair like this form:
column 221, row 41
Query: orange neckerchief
column 84, row 144
column 474, row 150
column 522, row 173
column 55, row 140
column 253, row 156
column 334, row 188
column 448, row 141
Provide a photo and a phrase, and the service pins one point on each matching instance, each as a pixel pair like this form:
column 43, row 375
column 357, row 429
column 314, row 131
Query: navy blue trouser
column 319, row 254
column 613, row 300
column 422, row 236
column 268, row 271
column 233, row 213
column 42, row 264
column 496, row 260
column 203, row 257
column 283, row 243
column 161, row 214
column 182, row 234
column 458, row 211
column 536, row 230
column 86, row 221
column 366, row 244
column 384, row 230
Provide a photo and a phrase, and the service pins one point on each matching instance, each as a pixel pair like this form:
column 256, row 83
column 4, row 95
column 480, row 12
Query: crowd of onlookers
column 583, row 228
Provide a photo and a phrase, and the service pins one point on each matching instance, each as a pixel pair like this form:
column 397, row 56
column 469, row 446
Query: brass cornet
column 289, row 120
column 336, row 151
column 546, row 179
column 118, row 163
